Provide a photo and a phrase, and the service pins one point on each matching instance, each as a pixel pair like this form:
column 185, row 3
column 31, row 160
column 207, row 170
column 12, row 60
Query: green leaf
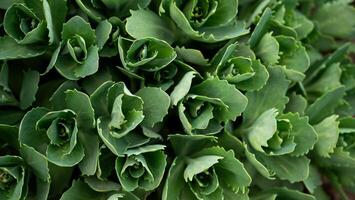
column 293, row 169
column 262, row 129
column 10, row 50
column 330, row 26
column 187, row 144
column 261, row 28
column 192, row 56
column 102, row 32
column 314, row 179
column 81, row 191
column 263, row 170
column 175, row 180
column 59, row 156
column 155, row 105
column 29, row 89
column 90, row 142
column 268, row 49
column 80, row 103
column 328, row 133
column 157, row 27
column 28, row 133
column 296, row 104
column 198, row 165
column 54, row 13
column 36, row 161
column 182, row 88
column 325, row 105
column 304, row 134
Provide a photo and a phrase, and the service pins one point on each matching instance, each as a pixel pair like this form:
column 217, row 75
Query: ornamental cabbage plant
column 177, row 100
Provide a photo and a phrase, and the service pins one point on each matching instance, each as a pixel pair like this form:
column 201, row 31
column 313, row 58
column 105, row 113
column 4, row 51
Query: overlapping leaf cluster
column 177, row 100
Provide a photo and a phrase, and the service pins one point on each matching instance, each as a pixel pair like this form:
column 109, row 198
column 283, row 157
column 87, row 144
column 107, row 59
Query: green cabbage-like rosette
column 32, row 22
column 272, row 141
column 19, row 176
column 141, row 168
column 99, row 10
column 274, row 42
column 276, row 144
column 202, row 172
column 12, row 178
column 205, row 20
column 120, row 113
column 31, row 26
column 205, row 106
column 24, row 25
column 148, row 54
column 78, row 55
column 65, row 134
column 238, row 65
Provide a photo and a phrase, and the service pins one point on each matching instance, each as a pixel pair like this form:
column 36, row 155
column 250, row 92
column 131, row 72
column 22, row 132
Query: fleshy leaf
column 328, row 133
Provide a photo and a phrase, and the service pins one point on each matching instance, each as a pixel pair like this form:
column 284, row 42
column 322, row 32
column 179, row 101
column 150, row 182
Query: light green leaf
column 198, row 165
column 157, row 27
column 293, row 169
column 10, row 50
column 328, row 133
column 182, row 88
column 325, row 105
column 155, row 105
column 268, row 49
column 261, row 28
column 262, row 130
column 80, row 103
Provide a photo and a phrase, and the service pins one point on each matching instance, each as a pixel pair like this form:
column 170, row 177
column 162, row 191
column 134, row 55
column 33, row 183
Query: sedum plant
column 177, row 100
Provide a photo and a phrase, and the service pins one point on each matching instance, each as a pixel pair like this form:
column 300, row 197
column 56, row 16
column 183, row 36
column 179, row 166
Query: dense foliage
column 177, row 100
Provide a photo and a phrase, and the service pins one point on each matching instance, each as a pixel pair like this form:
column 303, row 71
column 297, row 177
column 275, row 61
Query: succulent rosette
column 12, row 178
column 238, row 65
column 16, row 172
column 141, row 168
column 273, row 139
column 203, row 107
column 204, row 171
column 122, row 120
column 145, row 61
column 149, row 54
column 205, row 20
column 64, row 133
column 276, row 42
column 78, row 55
column 31, row 28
